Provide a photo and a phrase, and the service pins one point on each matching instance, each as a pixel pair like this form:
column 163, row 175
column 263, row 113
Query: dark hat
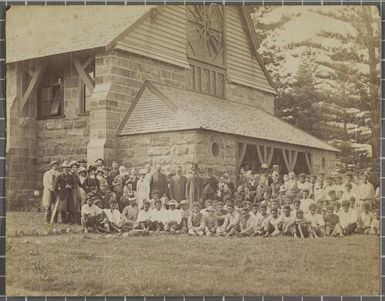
column 82, row 169
column 92, row 167
column 82, row 161
column 155, row 192
column 101, row 159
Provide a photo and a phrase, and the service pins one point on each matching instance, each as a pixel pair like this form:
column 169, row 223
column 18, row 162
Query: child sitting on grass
column 211, row 221
column 143, row 221
column 196, row 222
column 316, row 222
column 112, row 221
column 375, row 225
column 348, row 219
column 301, row 226
column 332, row 223
column 247, row 223
column 272, row 223
column 364, row 220
column 173, row 218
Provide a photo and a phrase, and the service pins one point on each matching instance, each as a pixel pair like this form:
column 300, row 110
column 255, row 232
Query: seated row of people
column 220, row 219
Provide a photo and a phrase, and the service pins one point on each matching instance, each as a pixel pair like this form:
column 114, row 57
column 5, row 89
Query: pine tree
column 354, row 67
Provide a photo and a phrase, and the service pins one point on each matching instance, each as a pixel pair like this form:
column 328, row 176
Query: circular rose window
column 215, row 149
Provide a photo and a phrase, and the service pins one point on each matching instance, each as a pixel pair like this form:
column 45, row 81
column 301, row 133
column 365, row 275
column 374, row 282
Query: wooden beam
column 87, row 62
column 84, row 75
column 32, row 85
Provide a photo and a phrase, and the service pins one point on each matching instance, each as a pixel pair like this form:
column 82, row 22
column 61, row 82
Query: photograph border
column 4, row 5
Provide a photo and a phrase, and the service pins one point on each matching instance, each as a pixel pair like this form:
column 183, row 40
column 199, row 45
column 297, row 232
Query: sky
column 306, row 26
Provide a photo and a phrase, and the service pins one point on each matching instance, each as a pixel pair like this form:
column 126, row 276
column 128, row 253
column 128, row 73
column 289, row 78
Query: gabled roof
column 38, row 31
column 160, row 108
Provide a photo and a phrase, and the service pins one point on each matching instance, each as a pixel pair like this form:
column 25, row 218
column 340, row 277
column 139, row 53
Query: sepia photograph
column 192, row 150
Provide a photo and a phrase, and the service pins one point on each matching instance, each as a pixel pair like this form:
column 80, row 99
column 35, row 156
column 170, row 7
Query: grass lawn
column 74, row 264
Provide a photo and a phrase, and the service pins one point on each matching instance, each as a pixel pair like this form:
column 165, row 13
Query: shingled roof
column 38, row 31
column 161, row 108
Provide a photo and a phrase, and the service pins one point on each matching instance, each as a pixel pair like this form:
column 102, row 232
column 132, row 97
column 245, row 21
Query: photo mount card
column 192, row 150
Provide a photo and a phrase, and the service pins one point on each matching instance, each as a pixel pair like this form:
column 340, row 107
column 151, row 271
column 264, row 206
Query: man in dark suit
column 178, row 186
column 194, row 188
column 210, row 185
column 64, row 185
column 158, row 181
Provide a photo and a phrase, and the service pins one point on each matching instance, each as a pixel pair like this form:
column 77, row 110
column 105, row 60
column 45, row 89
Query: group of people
column 264, row 203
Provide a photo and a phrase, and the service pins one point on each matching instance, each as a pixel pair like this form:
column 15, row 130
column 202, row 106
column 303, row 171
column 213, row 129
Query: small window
column 84, row 92
column 215, row 149
column 323, row 163
column 51, row 93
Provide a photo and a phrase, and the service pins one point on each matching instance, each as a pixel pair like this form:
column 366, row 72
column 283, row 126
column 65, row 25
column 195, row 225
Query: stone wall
column 168, row 149
column 222, row 161
column 330, row 159
column 250, row 96
column 119, row 76
column 63, row 138
column 21, row 144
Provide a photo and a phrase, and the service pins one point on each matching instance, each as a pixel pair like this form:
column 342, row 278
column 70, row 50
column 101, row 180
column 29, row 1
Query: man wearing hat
column 194, row 188
column 158, row 181
column 91, row 183
column 49, row 195
column 99, row 162
column 210, row 185
column 302, row 184
column 76, row 191
column 142, row 187
column 83, row 163
column 365, row 192
column 112, row 173
column 211, row 221
column 178, row 185
column 129, row 215
column 82, row 174
column 185, row 212
column 173, row 217
column 64, row 185
column 91, row 214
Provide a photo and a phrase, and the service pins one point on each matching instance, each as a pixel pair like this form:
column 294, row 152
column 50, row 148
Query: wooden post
column 84, row 75
column 37, row 74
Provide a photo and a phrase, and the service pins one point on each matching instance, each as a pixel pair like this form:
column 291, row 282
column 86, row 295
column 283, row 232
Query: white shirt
column 365, row 220
column 259, row 219
column 315, row 219
column 159, row 215
column 273, row 220
column 91, row 210
column 113, row 215
column 144, row 215
column 346, row 218
column 174, row 216
column 304, row 206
